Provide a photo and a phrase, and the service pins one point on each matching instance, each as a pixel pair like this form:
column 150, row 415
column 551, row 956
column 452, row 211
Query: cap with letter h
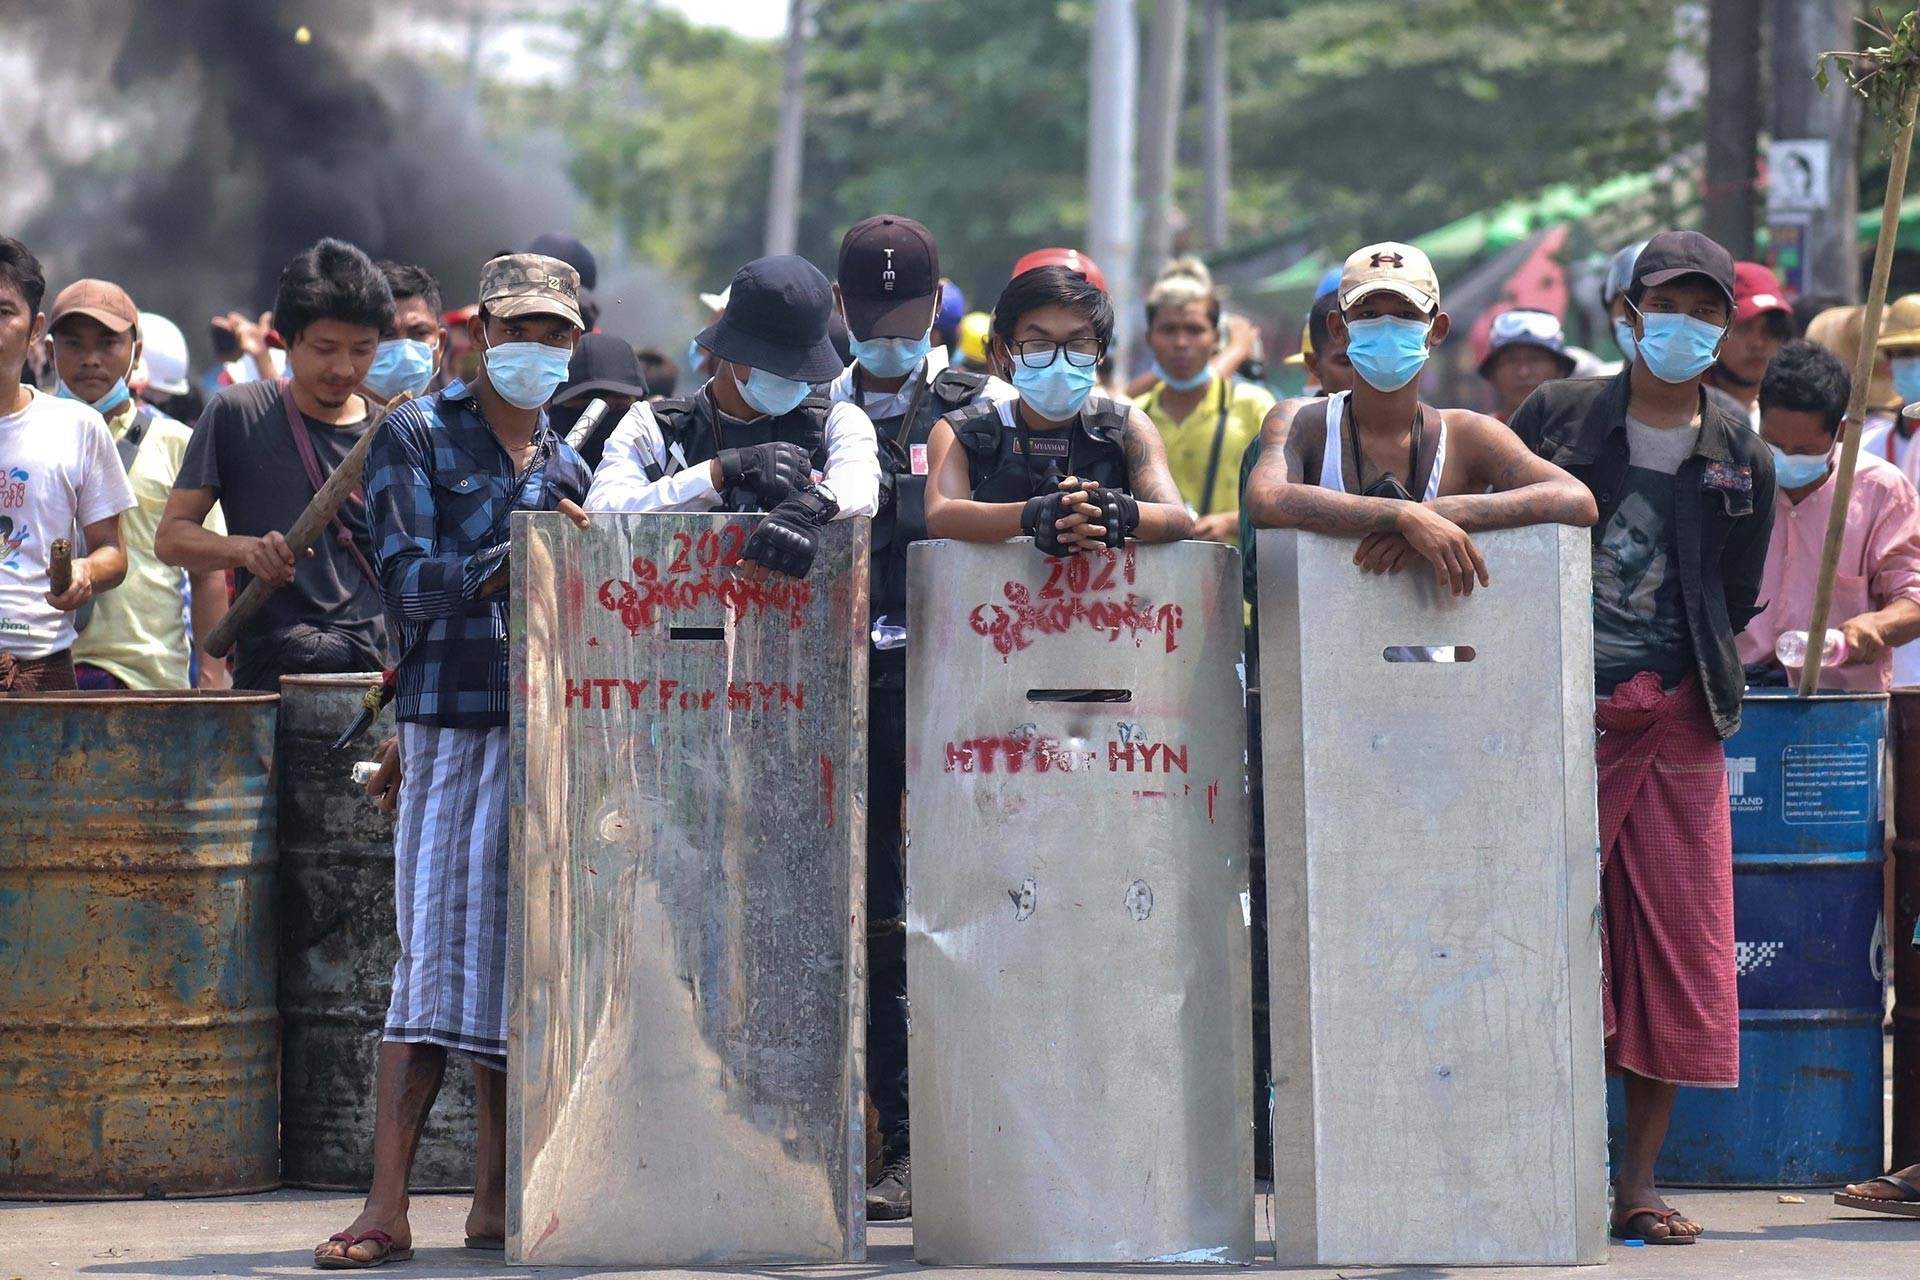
column 1394, row 268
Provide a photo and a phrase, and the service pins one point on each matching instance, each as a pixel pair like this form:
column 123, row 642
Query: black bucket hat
column 776, row 319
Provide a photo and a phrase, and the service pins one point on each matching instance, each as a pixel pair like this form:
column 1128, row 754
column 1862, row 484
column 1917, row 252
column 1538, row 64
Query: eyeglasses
column 1038, row 353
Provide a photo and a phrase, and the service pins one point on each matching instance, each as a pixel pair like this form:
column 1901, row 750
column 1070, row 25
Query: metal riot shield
column 689, row 820
column 1077, row 928
column 1433, row 899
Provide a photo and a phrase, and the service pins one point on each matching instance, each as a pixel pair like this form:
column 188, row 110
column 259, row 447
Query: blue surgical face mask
column 1676, row 348
column 1056, row 392
column 1387, row 351
column 1182, row 384
column 891, row 357
column 400, row 364
column 1623, row 337
column 526, row 374
column 1906, row 377
column 769, row 393
column 108, row 404
column 1798, row 470
column 693, row 356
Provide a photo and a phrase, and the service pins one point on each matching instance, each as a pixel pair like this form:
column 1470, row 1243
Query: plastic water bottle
column 888, row 636
column 1791, row 649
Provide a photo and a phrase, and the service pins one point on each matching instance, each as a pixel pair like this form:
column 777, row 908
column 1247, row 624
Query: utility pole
column 1828, row 124
column 1733, row 122
column 1162, row 91
column 1215, row 158
column 1113, row 71
column 783, row 194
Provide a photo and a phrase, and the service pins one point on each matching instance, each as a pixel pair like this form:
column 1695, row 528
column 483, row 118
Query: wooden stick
column 1857, row 404
column 319, row 513
column 60, row 566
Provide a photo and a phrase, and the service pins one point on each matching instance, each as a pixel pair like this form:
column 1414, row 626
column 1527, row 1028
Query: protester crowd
column 1703, row 463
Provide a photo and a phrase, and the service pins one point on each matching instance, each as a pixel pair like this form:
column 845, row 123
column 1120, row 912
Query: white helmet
column 163, row 355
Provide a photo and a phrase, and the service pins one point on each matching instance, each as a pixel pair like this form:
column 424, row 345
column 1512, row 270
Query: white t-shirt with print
column 58, row 471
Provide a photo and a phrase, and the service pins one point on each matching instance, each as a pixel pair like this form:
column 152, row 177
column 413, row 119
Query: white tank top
column 1331, row 474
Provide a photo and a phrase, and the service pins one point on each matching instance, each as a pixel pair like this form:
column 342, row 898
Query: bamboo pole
column 1857, row 404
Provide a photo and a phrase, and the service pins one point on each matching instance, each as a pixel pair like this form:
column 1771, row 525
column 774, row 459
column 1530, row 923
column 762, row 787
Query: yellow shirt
column 1190, row 443
column 139, row 629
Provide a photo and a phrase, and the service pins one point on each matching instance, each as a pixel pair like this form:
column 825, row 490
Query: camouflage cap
column 530, row 284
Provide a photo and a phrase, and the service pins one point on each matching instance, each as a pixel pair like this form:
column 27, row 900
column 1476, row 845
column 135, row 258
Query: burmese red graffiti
column 701, row 572
column 1015, row 625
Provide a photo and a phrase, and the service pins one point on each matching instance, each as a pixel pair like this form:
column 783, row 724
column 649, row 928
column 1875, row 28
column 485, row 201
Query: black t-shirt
column 330, row 618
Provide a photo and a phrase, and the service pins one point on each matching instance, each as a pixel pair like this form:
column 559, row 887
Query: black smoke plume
column 188, row 148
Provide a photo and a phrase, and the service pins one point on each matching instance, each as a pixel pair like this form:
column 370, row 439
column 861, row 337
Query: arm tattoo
column 1147, row 462
column 1528, row 489
column 1275, row 500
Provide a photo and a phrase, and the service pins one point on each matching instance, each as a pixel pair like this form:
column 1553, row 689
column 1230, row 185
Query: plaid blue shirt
column 440, row 490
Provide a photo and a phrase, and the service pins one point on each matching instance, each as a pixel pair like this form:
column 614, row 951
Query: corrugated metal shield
column 688, row 844
column 1077, row 950
column 1433, row 907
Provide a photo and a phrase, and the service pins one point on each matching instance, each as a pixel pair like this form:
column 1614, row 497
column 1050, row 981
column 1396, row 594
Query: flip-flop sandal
column 1664, row 1217
column 1907, row 1206
column 489, row 1244
column 341, row 1262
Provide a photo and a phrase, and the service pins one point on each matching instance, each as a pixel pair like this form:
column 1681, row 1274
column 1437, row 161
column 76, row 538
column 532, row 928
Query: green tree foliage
column 672, row 126
column 971, row 118
column 1351, row 119
column 1365, row 119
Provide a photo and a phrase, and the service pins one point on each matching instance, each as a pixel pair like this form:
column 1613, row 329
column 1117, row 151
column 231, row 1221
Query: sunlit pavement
column 1752, row 1234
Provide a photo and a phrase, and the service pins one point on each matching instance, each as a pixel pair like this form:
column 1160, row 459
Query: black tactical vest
column 700, row 434
column 903, row 495
column 999, row 471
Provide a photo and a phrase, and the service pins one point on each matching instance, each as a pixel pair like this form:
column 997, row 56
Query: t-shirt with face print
column 1639, row 612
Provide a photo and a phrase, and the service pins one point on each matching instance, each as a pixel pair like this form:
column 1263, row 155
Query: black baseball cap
column 1673, row 254
column 889, row 271
column 776, row 319
column 602, row 363
column 558, row 244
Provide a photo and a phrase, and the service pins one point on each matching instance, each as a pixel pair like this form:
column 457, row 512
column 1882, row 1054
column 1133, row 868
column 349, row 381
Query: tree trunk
column 1113, row 71
column 1733, row 122
column 1798, row 32
column 1215, row 158
column 783, row 194
column 1162, row 92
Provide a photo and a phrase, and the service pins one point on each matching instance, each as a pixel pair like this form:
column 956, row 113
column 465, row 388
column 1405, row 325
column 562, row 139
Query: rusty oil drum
column 338, row 946
column 1906, row 910
column 139, row 1051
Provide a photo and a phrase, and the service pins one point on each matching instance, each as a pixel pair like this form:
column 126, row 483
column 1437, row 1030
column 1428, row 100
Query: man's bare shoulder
column 1281, row 416
column 1471, row 429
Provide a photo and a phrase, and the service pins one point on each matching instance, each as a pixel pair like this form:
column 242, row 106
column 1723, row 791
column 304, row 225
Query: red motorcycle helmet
column 1071, row 259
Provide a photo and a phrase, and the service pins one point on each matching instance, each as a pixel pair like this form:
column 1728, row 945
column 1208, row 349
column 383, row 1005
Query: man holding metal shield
column 1411, row 481
column 444, row 477
column 891, row 294
column 755, row 438
column 1072, row 470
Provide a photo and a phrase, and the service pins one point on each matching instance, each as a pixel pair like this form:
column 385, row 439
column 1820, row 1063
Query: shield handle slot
column 1079, row 695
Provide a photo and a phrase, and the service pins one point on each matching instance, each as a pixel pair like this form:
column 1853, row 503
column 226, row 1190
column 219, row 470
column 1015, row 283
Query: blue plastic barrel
column 1804, row 782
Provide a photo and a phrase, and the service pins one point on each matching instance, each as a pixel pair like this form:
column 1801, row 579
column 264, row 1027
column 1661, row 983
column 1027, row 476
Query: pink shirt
column 1879, row 563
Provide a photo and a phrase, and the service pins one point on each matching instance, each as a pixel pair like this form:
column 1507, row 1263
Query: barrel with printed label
column 1804, row 783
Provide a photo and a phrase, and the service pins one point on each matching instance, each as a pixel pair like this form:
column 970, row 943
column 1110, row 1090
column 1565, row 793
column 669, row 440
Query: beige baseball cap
column 100, row 300
column 1390, row 267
